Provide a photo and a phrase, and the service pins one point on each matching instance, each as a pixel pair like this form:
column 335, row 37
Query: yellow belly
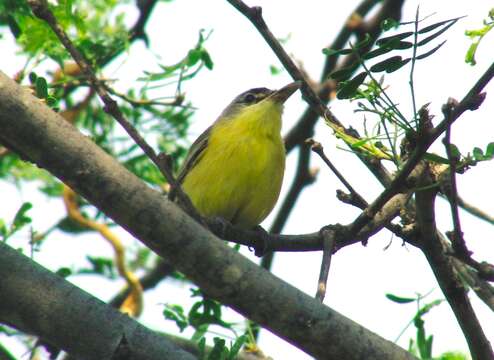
column 238, row 178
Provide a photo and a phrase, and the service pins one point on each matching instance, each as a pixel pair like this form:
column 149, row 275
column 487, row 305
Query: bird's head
column 259, row 103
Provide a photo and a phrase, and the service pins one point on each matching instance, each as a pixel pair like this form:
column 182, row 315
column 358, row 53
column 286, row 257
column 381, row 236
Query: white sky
column 359, row 276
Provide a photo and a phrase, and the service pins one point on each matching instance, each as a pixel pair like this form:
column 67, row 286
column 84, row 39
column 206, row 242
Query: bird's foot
column 264, row 236
column 219, row 226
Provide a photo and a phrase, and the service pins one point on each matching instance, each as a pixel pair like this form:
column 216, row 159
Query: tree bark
column 36, row 301
column 43, row 137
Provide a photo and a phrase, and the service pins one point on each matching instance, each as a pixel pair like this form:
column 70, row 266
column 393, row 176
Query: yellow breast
column 239, row 176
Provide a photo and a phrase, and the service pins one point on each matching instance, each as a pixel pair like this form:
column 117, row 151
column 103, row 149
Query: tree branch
column 145, row 9
column 36, row 301
column 48, row 140
column 446, row 276
column 475, row 211
column 42, row 11
column 305, row 126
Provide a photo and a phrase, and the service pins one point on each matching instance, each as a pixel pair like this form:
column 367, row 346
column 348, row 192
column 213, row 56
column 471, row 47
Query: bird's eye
column 250, row 98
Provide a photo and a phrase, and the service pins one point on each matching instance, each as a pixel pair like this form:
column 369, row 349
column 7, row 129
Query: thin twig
column 145, row 8
column 456, row 237
column 475, row 211
column 41, row 10
column 176, row 102
column 328, row 238
column 482, row 288
column 412, row 67
column 319, row 150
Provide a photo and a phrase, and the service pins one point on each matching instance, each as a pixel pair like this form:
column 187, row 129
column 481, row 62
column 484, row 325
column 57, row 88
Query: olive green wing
column 195, row 154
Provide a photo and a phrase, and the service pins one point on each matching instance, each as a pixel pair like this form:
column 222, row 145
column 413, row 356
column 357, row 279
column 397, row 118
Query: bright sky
column 359, row 276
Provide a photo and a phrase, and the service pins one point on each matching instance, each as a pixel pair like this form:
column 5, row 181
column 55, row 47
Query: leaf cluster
column 421, row 346
column 202, row 315
column 408, row 40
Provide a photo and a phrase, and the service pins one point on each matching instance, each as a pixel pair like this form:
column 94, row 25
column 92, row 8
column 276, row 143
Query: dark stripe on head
column 252, row 96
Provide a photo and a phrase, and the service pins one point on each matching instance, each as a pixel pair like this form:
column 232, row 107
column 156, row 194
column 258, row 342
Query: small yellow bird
column 234, row 169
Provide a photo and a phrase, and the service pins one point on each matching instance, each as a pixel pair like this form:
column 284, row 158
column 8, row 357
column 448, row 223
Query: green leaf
column 32, row 77
column 64, row 272
column 455, row 152
column 176, row 313
column 450, row 355
column 345, row 73
column 13, row 26
column 436, row 25
column 51, row 101
column 21, row 217
column 201, row 330
column 411, row 348
column 41, row 87
column 349, row 88
column 478, row 154
column 362, row 43
column 430, row 52
column 331, row 52
column 359, row 143
column 399, row 299
column 201, row 344
column 274, row 70
column 436, row 34
column 206, row 58
column 489, row 151
column 390, row 39
column 237, row 346
column 470, row 55
column 376, row 52
column 428, row 346
column 397, row 44
column 69, row 225
column 390, row 65
column 388, row 24
column 426, row 308
column 436, row 158
column 401, row 45
column 193, row 57
column 218, row 350
column 100, row 265
column 421, row 341
column 3, row 228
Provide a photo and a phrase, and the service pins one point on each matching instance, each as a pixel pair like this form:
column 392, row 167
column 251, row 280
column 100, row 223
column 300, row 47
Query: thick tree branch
column 36, row 301
column 48, row 140
column 446, row 276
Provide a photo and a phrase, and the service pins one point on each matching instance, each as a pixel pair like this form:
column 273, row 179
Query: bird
column 234, row 170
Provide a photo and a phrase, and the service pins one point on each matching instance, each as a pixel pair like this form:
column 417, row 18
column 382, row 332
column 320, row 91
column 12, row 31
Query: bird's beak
column 285, row 92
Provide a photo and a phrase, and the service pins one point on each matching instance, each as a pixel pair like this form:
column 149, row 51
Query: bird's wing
column 195, row 154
